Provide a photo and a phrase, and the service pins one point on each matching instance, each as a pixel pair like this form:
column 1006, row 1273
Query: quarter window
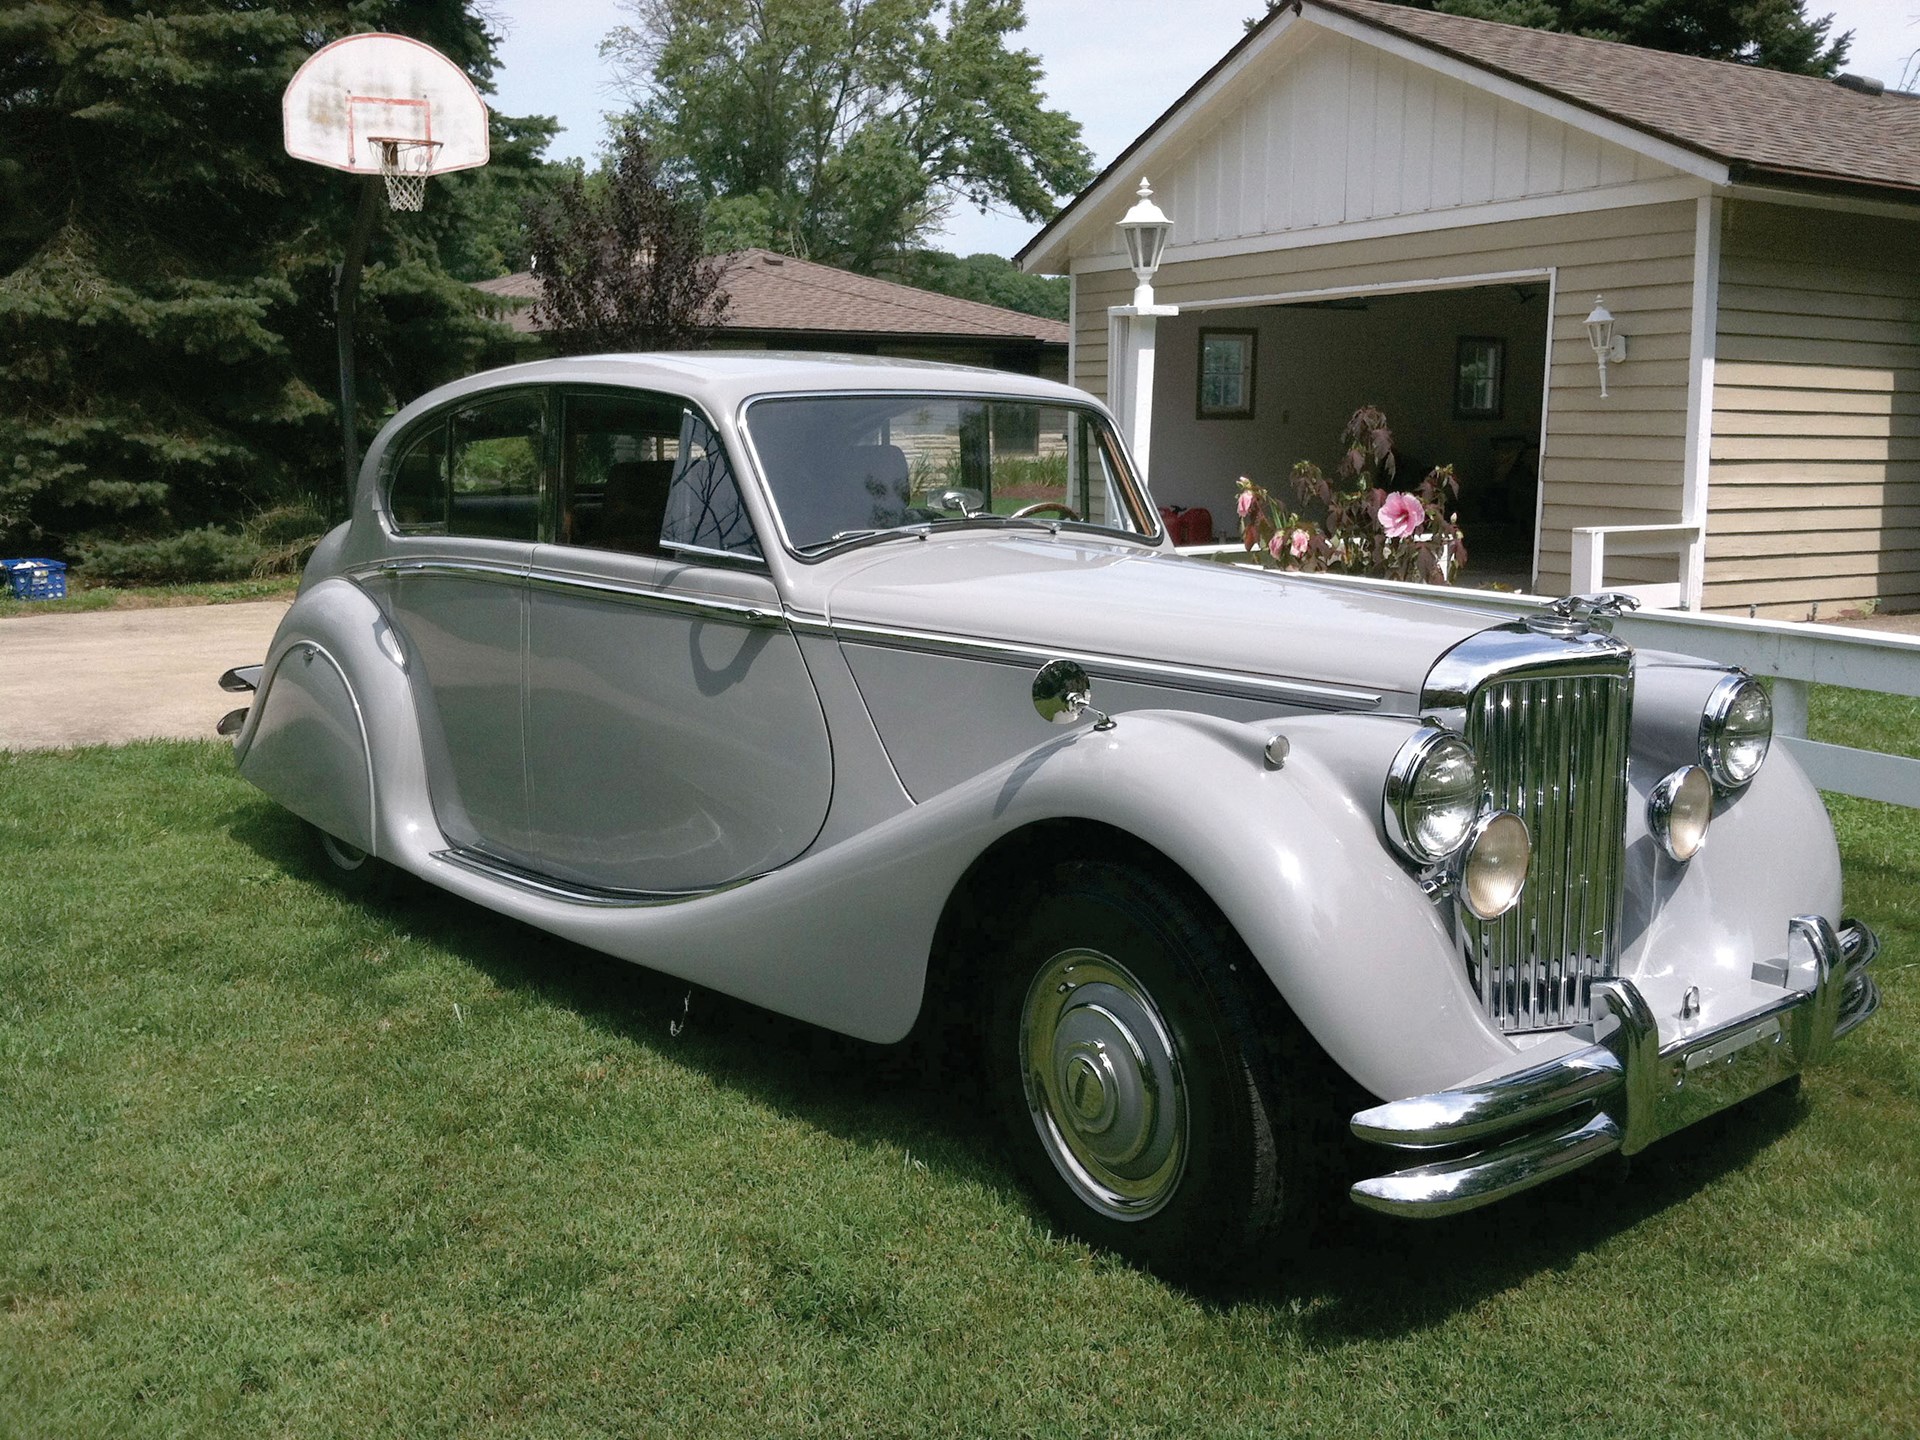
column 417, row 499
column 495, row 463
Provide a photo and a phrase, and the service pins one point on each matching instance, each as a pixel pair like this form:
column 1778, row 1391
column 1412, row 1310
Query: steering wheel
column 1059, row 507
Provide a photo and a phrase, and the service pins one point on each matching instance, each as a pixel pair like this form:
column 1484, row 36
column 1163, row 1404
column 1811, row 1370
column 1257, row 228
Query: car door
column 466, row 496
column 674, row 739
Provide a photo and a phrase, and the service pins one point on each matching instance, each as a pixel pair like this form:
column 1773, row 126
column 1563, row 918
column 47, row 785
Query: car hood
column 1087, row 599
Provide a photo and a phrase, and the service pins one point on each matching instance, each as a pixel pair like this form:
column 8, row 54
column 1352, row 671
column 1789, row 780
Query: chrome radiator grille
column 1553, row 750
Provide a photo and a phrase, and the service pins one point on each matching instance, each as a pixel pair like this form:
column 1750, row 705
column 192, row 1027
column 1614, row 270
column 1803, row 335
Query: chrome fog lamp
column 1736, row 730
column 1432, row 796
column 1679, row 811
column 1493, row 870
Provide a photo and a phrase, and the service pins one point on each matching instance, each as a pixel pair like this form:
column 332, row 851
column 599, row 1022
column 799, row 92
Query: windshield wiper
column 870, row 534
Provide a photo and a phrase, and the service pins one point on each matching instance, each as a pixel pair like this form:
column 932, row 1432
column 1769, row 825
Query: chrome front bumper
column 1624, row 1091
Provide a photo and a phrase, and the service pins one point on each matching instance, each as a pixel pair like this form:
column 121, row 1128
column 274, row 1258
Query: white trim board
column 1618, row 197
column 1379, row 287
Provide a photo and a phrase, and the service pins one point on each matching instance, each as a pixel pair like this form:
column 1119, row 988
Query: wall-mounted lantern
column 1607, row 346
column 1145, row 227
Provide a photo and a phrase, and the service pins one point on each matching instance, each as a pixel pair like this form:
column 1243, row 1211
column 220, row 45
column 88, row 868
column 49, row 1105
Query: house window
column 1479, row 378
column 1226, row 374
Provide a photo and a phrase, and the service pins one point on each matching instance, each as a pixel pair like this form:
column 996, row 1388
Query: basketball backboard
column 369, row 102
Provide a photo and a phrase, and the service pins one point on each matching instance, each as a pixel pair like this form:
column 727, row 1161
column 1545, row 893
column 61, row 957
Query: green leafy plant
column 1357, row 524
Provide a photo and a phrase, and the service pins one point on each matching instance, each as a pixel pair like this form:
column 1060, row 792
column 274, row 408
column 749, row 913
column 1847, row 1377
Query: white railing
column 1592, row 544
column 1793, row 653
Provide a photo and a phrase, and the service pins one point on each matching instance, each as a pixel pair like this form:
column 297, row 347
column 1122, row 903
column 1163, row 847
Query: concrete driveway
column 114, row 675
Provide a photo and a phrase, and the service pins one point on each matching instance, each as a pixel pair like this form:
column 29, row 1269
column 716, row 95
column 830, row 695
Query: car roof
column 721, row 379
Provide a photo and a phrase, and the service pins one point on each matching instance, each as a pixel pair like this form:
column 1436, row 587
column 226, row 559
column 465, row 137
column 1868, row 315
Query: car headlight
column 1432, row 796
column 1736, row 730
column 1493, row 869
column 1679, row 811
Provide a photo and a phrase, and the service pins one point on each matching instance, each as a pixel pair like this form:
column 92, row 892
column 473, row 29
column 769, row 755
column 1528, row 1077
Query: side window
column 417, row 494
column 704, row 509
column 495, row 462
column 634, row 468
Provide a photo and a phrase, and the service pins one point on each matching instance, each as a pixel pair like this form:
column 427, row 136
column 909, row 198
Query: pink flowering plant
column 1355, row 524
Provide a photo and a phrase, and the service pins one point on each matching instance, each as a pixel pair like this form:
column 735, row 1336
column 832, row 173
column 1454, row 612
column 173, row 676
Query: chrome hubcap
column 343, row 855
column 1103, row 1084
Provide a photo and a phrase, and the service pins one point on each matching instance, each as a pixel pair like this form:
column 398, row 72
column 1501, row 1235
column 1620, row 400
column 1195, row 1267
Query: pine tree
column 166, row 349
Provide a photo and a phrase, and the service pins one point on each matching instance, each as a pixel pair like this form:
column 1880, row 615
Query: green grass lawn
column 147, row 597
column 276, row 1163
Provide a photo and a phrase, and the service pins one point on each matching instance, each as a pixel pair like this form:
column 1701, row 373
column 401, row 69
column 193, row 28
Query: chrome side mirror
column 1063, row 695
column 967, row 502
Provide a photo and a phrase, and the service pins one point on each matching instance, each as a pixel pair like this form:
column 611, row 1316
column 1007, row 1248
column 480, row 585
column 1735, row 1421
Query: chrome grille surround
column 1549, row 717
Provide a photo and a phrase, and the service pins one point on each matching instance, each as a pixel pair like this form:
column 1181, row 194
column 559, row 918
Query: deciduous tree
column 842, row 130
column 620, row 263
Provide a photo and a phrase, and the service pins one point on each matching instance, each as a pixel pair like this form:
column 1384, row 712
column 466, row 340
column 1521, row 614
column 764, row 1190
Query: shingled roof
column 772, row 295
column 1763, row 123
column 1766, row 127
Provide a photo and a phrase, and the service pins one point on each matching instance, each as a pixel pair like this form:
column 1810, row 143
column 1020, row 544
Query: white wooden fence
column 1793, row 653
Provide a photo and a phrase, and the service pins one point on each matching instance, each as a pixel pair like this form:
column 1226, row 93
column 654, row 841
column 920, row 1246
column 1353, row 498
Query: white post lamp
column 1145, row 227
column 1130, row 328
column 1606, row 345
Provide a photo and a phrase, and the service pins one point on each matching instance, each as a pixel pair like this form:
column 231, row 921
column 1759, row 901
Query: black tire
column 352, row 870
column 1156, row 1092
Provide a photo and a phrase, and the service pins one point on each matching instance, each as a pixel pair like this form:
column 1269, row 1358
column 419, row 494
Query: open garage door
column 1249, row 390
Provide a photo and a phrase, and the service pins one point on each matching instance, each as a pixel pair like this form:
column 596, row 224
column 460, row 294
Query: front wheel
column 1148, row 1075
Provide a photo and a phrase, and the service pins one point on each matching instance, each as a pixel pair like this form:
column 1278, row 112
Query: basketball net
column 405, row 165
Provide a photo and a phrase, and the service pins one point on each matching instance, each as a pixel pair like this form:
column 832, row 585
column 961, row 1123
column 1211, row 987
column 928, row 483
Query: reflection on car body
column 728, row 665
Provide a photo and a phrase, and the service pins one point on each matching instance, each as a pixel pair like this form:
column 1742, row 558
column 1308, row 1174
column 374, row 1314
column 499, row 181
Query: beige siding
column 1814, row 485
column 1613, row 462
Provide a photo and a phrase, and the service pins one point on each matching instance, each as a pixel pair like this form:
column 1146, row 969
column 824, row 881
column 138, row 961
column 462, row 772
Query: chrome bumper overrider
column 1626, row 1090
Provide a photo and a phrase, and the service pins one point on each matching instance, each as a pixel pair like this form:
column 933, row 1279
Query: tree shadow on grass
column 1359, row 1276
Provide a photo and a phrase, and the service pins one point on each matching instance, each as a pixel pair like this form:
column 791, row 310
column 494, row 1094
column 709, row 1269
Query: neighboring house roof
column 1763, row 125
column 769, row 294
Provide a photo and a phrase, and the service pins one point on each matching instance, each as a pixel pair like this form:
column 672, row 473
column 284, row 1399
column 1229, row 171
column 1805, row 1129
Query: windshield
column 848, row 468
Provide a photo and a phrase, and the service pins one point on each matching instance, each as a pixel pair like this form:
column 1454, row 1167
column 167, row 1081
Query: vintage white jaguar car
column 729, row 665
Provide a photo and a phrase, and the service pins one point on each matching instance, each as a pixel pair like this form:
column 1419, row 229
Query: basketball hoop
column 405, row 165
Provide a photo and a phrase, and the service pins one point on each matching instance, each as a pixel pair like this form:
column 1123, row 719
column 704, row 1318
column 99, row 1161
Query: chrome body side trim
column 641, row 596
column 508, row 873
column 1626, row 1090
column 647, row 598
column 1108, row 667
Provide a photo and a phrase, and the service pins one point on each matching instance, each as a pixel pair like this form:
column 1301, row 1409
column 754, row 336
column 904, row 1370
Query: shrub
column 1363, row 528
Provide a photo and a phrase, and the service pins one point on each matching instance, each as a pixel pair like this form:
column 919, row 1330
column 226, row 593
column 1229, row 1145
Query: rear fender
column 334, row 680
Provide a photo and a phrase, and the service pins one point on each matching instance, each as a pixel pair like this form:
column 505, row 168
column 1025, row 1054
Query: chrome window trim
column 744, row 429
column 1108, row 667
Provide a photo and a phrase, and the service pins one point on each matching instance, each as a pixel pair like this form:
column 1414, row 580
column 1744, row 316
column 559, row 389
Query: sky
column 1113, row 65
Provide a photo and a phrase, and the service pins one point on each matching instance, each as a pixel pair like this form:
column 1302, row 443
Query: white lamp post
column 1145, row 228
column 1607, row 346
column 1130, row 328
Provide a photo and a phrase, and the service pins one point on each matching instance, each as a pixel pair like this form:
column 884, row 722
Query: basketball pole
column 346, row 292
